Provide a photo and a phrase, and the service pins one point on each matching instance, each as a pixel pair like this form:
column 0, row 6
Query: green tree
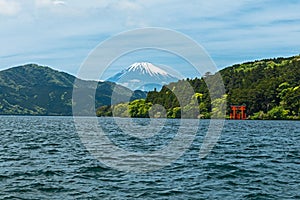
column 139, row 108
column 219, row 107
column 174, row 113
column 104, row 111
column 278, row 112
column 121, row 110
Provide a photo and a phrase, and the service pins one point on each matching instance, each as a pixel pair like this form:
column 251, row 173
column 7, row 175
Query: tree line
column 270, row 89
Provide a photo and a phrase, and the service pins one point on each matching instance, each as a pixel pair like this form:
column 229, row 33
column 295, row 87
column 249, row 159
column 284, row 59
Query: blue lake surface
column 44, row 158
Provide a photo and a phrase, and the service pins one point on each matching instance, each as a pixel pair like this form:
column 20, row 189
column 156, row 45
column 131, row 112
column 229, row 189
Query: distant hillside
column 270, row 89
column 38, row 90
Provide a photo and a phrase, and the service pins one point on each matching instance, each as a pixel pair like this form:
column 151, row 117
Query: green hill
column 270, row 89
column 39, row 90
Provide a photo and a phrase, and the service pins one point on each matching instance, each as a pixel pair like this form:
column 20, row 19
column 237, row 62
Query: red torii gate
column 238, row 112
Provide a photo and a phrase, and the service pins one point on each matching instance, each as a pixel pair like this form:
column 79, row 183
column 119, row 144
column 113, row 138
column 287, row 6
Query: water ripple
column 43, row 158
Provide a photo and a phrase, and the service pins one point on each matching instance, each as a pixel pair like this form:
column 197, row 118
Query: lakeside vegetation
column 270, row 89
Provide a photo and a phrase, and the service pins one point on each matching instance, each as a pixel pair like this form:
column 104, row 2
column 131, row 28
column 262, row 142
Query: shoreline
column 89, row 116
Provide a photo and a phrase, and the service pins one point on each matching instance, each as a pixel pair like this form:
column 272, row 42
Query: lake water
column 44, row 158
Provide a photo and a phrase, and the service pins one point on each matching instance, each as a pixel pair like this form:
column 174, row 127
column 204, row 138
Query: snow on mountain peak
column 145, row 76
column 146, row 68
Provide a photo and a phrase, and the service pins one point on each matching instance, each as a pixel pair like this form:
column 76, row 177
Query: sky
column 62, row 33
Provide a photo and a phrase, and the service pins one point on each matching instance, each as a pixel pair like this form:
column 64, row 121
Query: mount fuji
column 145, row 76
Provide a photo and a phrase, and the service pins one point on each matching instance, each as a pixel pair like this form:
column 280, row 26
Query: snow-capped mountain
column 144, row 76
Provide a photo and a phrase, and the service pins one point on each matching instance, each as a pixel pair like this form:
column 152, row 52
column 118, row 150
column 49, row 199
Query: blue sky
column 61, row 33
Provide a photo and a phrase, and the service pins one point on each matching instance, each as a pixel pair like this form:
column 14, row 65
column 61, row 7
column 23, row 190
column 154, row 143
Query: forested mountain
column 39, row 90
column 270, row 89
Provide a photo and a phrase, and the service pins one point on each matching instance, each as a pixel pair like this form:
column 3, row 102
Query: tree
column 278, row 112
column 219, row 107
column 139, row 108
column 121, row 110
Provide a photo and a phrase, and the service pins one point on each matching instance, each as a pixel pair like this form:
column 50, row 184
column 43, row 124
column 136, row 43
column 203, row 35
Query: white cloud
column 59, row 2
column 227, row 28
column 9, row 8
column 128, row 6
column 48, row 3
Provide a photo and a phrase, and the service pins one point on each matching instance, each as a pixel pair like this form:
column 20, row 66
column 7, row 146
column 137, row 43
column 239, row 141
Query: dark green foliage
column 176, row 95
column 270, row 89
column 38, row 90
column 265, row 85
column 104, row 111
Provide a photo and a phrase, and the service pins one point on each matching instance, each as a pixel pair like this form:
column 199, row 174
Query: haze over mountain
column 39, row 90
column 144, row 76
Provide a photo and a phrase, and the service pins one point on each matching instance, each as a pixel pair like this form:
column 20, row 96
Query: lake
column 44, row 158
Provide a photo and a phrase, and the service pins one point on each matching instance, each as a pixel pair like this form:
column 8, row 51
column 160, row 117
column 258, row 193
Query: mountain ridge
column 143, row 76
column 32, row 89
